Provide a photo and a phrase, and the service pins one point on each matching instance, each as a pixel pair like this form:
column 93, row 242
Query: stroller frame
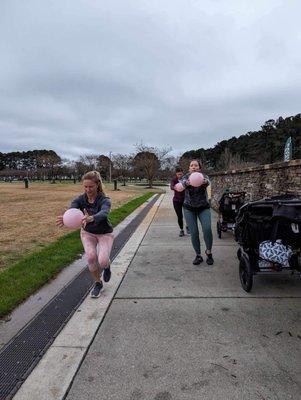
column 280, row 214
column 228, row 212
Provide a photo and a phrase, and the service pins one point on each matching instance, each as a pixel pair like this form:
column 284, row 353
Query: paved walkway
column 178, row 331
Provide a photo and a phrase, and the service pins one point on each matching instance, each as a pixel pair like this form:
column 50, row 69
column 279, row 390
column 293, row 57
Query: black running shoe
column 198, row 260
column 187, row 230
column 106, row 274
column 181, row 233
column 95, row 292
column 209, row 260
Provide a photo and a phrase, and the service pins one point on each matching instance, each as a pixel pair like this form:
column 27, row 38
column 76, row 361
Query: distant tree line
column 259, row 147
column 146, row 163
column 150, row 163
column 38, row 164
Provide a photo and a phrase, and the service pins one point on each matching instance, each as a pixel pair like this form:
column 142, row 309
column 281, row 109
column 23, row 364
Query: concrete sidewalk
column 179, row 331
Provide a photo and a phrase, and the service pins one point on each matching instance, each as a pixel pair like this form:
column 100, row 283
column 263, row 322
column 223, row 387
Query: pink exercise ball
column 72, row 218
column 179, row 187
column 196, row 179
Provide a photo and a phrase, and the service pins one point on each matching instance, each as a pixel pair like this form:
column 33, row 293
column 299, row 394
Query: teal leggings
column 204, row 217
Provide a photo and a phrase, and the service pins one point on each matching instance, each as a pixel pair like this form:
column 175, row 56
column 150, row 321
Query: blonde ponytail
column 95, row 177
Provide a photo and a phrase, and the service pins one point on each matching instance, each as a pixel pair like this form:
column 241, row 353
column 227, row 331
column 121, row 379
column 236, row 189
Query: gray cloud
column 89, row 76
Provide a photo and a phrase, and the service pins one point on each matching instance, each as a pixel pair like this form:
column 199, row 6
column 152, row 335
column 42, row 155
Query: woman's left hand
column 87, row 219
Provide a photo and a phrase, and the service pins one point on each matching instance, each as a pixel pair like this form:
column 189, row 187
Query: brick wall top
column 279, row 165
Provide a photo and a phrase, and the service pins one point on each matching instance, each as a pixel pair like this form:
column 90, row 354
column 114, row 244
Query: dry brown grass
column 28, row 215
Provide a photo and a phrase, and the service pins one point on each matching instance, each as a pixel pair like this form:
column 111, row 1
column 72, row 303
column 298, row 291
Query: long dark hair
column 198, row 161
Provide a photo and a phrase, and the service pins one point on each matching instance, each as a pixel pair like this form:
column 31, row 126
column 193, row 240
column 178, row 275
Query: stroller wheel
column 219, row 229
column 245, row 274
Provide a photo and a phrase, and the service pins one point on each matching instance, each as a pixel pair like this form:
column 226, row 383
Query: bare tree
column 160, row 153
column 48, row 163
column 80, row 169
column 168, row 166
column 147, row 164
column 90, row 161
column 122, row 166
column 150, row 161
column 184, row 163
column 105, row 166
column 229, row 160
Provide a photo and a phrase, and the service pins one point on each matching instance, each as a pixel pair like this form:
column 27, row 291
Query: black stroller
column 269, row 234
column 229, row 204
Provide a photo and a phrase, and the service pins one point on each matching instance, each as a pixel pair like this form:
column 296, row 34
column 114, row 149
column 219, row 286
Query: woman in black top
column 96, row 228
column 196, row 207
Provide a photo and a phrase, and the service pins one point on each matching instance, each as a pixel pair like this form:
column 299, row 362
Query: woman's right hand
column 59, row 221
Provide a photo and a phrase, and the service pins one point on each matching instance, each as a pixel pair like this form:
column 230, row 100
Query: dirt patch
column 28, row 215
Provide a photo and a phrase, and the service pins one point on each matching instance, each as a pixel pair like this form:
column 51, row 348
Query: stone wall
column 258, row 182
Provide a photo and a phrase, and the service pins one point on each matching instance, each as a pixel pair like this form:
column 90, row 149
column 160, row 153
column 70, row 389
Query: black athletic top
column 196, row 198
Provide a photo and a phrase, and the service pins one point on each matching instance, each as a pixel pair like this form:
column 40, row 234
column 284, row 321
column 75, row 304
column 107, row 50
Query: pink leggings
column 90, row 242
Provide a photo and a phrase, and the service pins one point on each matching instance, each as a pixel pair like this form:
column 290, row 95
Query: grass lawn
column 28, row 216
column 23, row 278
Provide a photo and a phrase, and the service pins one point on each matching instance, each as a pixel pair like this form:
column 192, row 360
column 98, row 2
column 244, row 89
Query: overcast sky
column 93, row 76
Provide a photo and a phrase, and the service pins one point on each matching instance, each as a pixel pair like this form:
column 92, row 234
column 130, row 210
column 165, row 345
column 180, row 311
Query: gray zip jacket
column 99, row 209
column 196, row 198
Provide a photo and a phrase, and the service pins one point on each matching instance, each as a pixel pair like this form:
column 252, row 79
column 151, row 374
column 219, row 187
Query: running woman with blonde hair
column 96, row 228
